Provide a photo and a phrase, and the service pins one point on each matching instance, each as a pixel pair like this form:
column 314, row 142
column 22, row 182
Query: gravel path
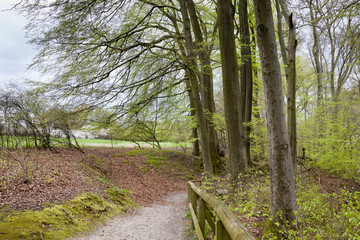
column 157, row 222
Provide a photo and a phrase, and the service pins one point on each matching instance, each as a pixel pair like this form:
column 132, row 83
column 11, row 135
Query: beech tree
column 103, row 57
column 204, row 50
column 289, row 59
column 231, row 89
column 246, row 76
column 283, row 199
column 196, row 91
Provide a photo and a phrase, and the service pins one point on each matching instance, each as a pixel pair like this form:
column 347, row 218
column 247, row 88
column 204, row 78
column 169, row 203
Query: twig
column 67, row 214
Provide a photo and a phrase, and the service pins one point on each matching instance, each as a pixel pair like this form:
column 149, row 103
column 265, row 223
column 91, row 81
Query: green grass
column 10, row 142
column 118, row 143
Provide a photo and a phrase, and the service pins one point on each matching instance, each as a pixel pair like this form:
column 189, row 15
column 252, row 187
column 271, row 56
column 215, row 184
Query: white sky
column 15, row 53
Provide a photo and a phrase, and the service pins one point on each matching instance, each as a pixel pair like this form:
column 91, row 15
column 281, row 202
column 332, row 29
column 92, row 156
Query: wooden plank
column 231, row 224
column 196, row 223
column 210, row 219
column 190, row 198
column 220, row 232
column 202, row 216
column 193, row 197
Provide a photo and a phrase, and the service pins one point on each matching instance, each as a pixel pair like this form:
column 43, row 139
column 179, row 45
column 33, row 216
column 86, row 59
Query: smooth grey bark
column 283, row 199
column 246, row 77
column 291, row 91
column 194, row 130
column 289, row 59
column 195, row 135
column 204, row 53
column 231, row 89
column 190, row 61
column 281, row 38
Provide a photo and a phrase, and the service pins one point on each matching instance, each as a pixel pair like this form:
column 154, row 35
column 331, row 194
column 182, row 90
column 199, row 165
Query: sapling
column 21, row 160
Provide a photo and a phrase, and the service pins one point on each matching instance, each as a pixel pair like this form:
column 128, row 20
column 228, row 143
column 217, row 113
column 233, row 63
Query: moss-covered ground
column 61, row 221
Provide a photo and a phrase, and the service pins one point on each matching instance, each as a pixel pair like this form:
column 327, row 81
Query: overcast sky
column 15, row 53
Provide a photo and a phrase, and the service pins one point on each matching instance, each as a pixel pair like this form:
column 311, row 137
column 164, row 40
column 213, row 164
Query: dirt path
column 158, row 222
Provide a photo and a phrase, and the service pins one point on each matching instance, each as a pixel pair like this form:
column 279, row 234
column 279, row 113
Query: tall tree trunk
column 194, row 130
column 316, row 55
column 289, row 59
column 231, row 89
column 196, row 144
column 291, row 90
column 283, row 199
column 206, row 77
column 190, row 61
column 256, row 87
column 246, row 77
column 280, row 32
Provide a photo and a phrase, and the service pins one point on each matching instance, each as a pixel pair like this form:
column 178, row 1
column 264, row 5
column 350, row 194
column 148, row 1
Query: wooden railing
column 205, row 207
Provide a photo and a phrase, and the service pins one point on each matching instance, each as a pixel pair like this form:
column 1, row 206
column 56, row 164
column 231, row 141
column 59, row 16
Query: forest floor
column 148, row 176
column 155, row 180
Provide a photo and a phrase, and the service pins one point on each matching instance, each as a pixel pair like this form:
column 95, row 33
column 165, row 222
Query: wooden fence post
column 194, row 200
column 202, row 216
column 196, row 223
column 220, row 219
column 220, row 231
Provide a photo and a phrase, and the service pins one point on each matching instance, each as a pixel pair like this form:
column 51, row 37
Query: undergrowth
column 319, row 215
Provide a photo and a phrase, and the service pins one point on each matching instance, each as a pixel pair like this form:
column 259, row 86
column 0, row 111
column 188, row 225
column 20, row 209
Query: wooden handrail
column 226, row 225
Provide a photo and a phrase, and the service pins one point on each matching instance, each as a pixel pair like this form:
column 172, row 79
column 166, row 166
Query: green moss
column 163, row 160
column 135, row 152
column 90, row 169
column 102, row 180
column 61, row 221
column 95, row 163
column 157, row 152
column 154, row 158
column 190, row 176
column 120, row 196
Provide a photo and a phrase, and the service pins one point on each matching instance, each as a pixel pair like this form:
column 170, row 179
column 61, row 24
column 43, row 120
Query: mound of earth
column 56, row 177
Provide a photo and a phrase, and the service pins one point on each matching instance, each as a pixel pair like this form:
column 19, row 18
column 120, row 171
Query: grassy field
column 10, row 142
column 117, row 143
